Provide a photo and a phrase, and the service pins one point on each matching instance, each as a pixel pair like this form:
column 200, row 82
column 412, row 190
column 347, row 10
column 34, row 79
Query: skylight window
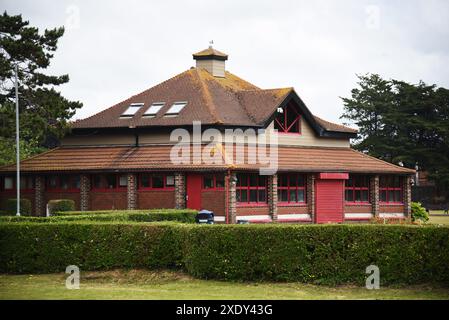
column 154, row 109
column 132, row 110
column 175, row 109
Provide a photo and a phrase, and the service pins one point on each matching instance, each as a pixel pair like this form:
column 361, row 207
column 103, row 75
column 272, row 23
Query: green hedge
column 25, row 207
column 186, row 216
column 311, row 253
column 61, row 205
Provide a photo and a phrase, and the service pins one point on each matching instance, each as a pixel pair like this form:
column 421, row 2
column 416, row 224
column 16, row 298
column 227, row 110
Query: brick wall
column 252, row 211
column 180, row 190
column 293, row 209
column 374, row 195
column 75, row 196
column 358, row 209
column 108, row 200
column 407, row 195
column 214, row 201
column 132, row 191
column 84, row 192
column 310, row 189
column 232, row 200
column 154, row 199
column 391, row 208
column 273, row 196
column 39, row 189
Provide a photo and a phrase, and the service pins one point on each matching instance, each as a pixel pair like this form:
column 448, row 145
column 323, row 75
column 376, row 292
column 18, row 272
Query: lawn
column 140, row 284
column 439, row 219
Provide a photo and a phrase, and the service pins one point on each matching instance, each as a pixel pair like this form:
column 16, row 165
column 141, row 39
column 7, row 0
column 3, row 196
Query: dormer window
column 132, row 110
column 175, row 109
column 288, row 120
column 154, row 109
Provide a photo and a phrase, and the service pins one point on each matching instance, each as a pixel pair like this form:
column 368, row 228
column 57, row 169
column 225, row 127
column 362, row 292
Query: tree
column 44, row 112
column 402, row 122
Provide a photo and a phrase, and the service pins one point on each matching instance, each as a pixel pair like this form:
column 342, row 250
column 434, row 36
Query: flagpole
column 17, row 144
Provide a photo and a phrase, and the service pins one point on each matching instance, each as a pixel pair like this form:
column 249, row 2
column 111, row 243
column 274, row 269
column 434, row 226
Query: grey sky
column 115, row 49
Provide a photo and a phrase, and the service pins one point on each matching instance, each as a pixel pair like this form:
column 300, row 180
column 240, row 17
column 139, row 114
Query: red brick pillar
column 84, row 192
column 180, row 190
column 374, row 195
column 132, row 191
column 39, row 202
column 232, row 200
column 311, row 195
column 273, row 196
column 408, row 196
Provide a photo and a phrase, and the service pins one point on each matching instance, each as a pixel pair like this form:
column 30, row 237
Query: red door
column 329, row 201
column 194, row 182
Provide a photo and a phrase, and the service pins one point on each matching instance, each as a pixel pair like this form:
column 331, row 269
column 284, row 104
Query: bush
column 186, row 216
column 61, row 205
column 25, row 207
column 328, row 254
column 419, row 212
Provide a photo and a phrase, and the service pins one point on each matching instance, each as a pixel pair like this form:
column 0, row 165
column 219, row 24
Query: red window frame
column 58, row 188
column 118, row 187
column 289, row 187
column 214, row 186
column 353, row 187
column 150, row 176
column 248, row 188
column 282, row 121
column 388, row 184
column 14, row 185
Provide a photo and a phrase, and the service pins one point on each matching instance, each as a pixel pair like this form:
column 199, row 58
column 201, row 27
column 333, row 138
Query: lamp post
column 17, row 143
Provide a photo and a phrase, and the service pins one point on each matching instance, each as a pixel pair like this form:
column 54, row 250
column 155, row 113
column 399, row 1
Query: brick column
column 180, row 190
column 232, row 200
column 132, row 191
column 407, row 196
column 311, row 195
column 39, row 203
column 84, row 192
column 273, row 196
column 374, row 195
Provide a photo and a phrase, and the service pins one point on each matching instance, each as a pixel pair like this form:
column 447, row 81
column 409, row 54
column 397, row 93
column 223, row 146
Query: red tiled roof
column 212, row 100
column 157, row 157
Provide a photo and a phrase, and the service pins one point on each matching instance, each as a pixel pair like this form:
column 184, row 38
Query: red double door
column 329, row 197
column 194, row 186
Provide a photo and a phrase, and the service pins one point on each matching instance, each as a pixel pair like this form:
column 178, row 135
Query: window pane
column 157, row 182
column 293, row 197
column 262, row 181
column 262, row 196
column 170, row 181
column 301, row 196
column 123, row 180
column 75, row 182
column 293, row 181
column 244, row 196
column 349, row 195
column 390, row 196
column 208, row 182
column 358, row 196
column 9, row 183
column 110, row 181
column 284, row 196
column 397, row 196
column 365, row 195
column 64, row 182
column 252, row 195
column 242, row 180
column 349, row 182
column 283, row 181
column 219, row 181
column 383, row 196
column 145, row 181
column 97, row 182
column 301, row 181
column 53, row 182
column 253, row 180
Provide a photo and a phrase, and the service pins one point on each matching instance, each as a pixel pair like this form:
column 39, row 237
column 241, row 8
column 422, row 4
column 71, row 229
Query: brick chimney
column 212, row 60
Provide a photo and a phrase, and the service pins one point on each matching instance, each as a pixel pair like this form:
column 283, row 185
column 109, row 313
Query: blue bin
column 205, row 217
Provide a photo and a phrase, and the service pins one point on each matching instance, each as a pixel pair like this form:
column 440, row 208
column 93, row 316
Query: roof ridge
column 208, row 98
column 336, row 124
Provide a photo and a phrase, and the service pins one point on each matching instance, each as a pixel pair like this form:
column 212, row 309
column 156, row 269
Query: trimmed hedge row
column 310, row 253
column 11, row 207
column 186, row 216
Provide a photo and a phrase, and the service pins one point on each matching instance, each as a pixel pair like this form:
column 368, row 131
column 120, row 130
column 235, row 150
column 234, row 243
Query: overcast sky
column 115, row 49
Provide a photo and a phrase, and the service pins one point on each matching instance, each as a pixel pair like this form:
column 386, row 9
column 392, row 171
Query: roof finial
column 211, row 43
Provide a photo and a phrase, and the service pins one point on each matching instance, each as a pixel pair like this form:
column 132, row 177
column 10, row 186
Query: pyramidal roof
column 227, row 100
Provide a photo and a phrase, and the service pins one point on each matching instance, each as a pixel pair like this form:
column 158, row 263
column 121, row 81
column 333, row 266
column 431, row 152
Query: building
column 122, row 157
